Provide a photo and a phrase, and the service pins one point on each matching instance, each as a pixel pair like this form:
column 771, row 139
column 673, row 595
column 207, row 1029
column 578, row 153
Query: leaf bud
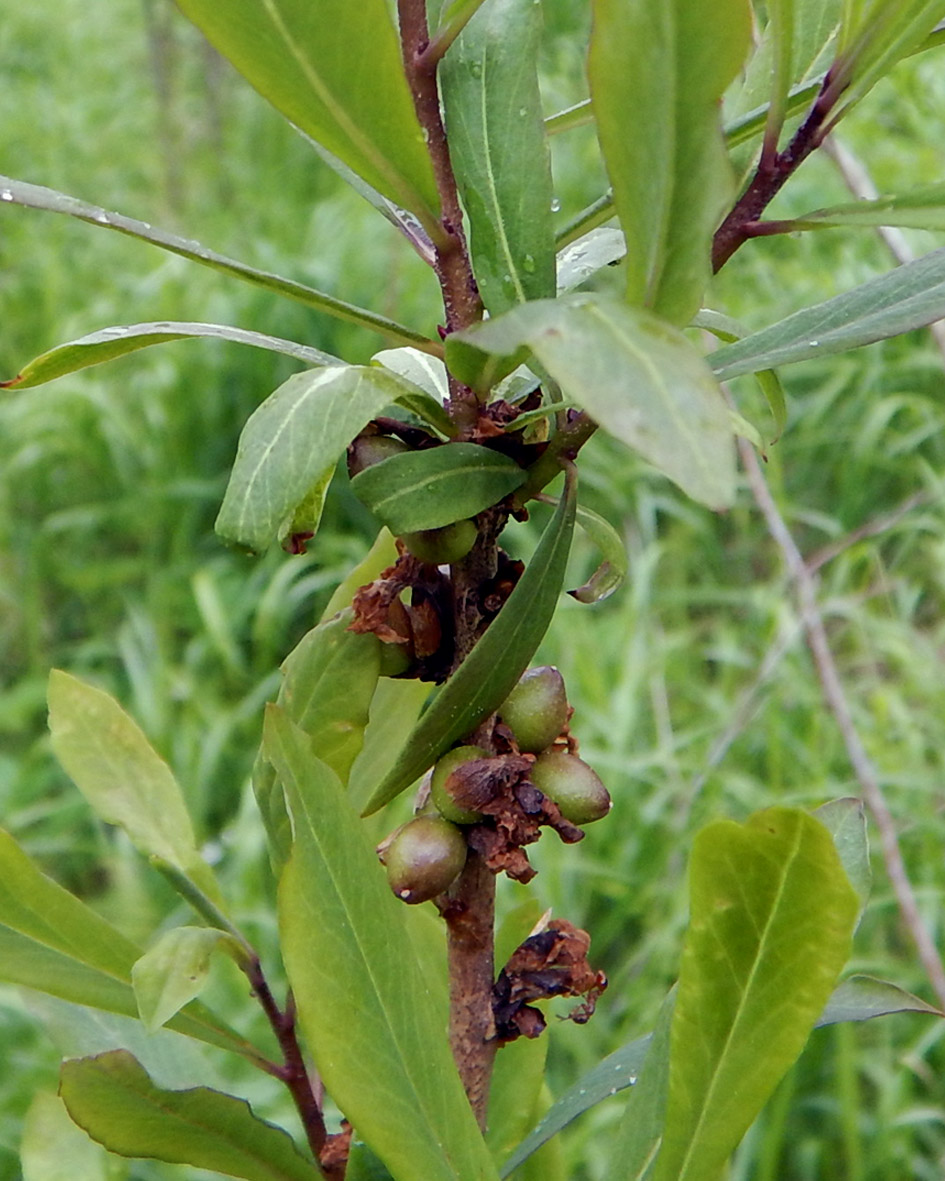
column 424, row 858
column 573, row 785
column 537, row 708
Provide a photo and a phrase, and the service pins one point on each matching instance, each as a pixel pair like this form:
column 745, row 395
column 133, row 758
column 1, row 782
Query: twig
column 293, row 1073
column 835, row 697
column 773, row 170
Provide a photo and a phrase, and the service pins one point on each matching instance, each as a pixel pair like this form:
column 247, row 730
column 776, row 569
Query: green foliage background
column 110, row 480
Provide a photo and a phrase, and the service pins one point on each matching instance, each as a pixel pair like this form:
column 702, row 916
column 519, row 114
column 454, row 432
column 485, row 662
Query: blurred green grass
column 110, row 480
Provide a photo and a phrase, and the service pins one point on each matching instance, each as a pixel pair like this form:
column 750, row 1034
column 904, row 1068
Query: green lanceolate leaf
column 499, row 151
column 772, row 915
column 665, row 67
column 861, row 998
column 729, row 330
column 109, row 343
column 113, row 1098
column 917, row 209
column 123, row 777
column 173, row 972
column 641, row 1129
column 328, row 683
column 435, row 487
column 485, row 678
column 617, row 1071
column 18, row 192
column 366, row 1011
column 52, row 942
column 909, row 297
column 292, row 440
column 335, row 71
column 636, row 375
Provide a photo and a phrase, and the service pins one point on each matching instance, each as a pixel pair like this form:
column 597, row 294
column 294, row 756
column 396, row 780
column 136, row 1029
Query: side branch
column 774, row 168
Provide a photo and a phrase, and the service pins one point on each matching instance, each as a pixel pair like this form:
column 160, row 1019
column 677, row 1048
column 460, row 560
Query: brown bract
column 514, row 811
column 551, row 963
column 422, row 626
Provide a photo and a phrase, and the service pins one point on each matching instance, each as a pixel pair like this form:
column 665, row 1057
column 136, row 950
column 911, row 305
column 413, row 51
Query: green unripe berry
column 537, row 708
column 425, row 858
column 367, row 450
column 439, row 789
column 573, row 785
column 442, row 547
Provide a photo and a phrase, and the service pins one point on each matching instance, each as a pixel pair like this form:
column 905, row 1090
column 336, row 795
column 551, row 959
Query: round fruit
column 573, row 785
column 367, row 450
column 441, row 547
column 537, row 708
column 424, row 858
column 439, row 787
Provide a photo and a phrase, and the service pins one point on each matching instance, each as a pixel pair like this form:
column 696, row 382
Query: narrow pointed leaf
column 908, row 297
column 109, row 343
column 376, row 1040
column 772, row 916
column 485, row 678
column 52, row 942
column 499, row 151
column 435, row 487
column 637, row 376
column 335, row 71
column 918, row 209
column 861, row 998
column 19, row 192
column 667, row 65
column 617, row 1071
column 292, row 440
column 122, row 776
column 112, row 1097
column 173, row 972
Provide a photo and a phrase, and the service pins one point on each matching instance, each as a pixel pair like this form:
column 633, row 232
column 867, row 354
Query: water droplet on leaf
column 555, row 205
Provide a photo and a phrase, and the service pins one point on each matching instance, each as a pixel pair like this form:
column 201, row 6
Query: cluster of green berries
column 428, row 853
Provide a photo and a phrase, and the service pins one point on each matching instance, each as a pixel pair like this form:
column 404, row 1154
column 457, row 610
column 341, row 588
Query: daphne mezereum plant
column 418, row 678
